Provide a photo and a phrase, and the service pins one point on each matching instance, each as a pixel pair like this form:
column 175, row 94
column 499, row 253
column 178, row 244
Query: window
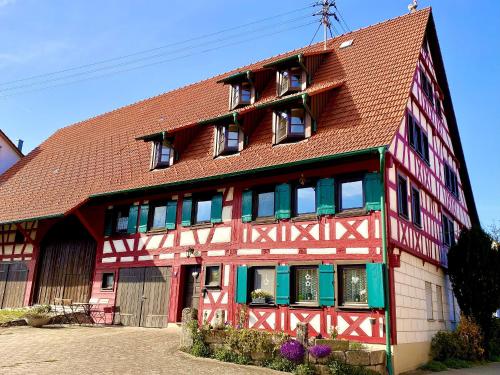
column 19, row 237
column 306, row 285
column 108, row 281
column 265, row 204
column 158, row 216
column 290, row 124
column 351, row 194
column 212, row 276
column 353, row 285
column 228, row 139
column 163, row 154
column 427, row 87
column 241, row 94
column 428, row 301
column 264, row 279
column 402, row 197
column 415, row 207
column 439, row 296
column 290, row 80
column 450, row 180
column 203, row 209
column 121, row 220
column 418, row 138
column 448, row 231
column 305, row 200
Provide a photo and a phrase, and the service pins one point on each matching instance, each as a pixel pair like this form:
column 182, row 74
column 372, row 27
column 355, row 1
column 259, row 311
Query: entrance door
column 13, row 278
column 192, row 287
column 143, row 297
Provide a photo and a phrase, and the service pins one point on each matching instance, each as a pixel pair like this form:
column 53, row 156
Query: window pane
column 296, row 78
column 203, row 210
column 122, row 221
column 107, row 280
column 428, row 301
column 212, row 277
column 264, row 279
column 351, row 194
column 159, row 216
column 233, row 134
column 246, row 92
column 165, row 154
column 402, row 196
column 306, row 285
column 354, row 285
column 306, row 200
column 265, row 204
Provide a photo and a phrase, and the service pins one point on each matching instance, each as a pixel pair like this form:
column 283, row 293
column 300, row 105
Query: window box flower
column 260, row 296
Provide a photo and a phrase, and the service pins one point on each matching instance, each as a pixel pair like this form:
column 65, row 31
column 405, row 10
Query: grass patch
column 434, row 366
column 10, row 315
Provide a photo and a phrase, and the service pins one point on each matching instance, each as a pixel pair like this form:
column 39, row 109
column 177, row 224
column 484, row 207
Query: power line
column 155, row 63
column 154, row 49
column 138, row 60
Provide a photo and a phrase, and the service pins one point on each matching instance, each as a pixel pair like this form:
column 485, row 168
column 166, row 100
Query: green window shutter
column 325, row 196
column 246, row 211
column 108, row 223
column 241, row 284
column 216, row 209
column 373, row 191
column 375, row 281
column 326, row 286
column 171, row 215
column 282, row 201
column 132, row 219
column 187, row 212
column 143, row 219
column 283, row 285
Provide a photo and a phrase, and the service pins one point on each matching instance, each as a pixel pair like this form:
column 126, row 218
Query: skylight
column 347, row 43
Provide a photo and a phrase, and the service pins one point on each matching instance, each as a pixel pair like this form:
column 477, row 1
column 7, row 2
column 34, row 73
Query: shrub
column 246, row 341
column 457, row 363
column 36, row 312
column 354, row 345
column 304, row 370
column 199, row 348
column 471, row 339
column 293, row 351
column 494, row 342
column 446, row 345
column 340, row 368
column 320, row 351
column 434, row 366
column 281, row 364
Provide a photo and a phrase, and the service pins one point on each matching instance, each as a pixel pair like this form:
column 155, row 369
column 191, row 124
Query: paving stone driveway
column 103, row 350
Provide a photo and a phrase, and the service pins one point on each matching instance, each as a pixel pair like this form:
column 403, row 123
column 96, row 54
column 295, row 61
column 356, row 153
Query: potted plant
column 260, row 296
column 38, row 316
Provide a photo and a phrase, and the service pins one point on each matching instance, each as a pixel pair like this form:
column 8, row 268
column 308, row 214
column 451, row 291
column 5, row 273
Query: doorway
column 142, row 298
column 192, row 287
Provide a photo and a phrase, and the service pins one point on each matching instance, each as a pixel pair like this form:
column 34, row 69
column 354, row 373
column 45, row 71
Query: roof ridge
column 311, row 47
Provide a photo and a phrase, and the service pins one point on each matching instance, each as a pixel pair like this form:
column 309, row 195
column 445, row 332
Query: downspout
column 382, row 151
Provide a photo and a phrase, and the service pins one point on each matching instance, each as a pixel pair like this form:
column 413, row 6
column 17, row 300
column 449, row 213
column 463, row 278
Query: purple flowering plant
column 320, row 351
column 293, row 351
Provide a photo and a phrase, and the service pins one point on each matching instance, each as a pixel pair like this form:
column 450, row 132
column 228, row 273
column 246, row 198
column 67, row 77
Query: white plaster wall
column 8, row 156
column 411, row 311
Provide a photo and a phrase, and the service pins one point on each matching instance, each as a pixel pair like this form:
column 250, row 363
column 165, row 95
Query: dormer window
column 291, row 124
column 291, row 80
column 242, row 94
column 163, row 154
column 229, row 139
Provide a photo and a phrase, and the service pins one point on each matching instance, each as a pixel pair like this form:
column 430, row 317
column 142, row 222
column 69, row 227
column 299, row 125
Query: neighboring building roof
column 370, row 83
column 12, row 144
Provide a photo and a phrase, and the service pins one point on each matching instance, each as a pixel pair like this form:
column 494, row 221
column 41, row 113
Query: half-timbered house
column 333, row 180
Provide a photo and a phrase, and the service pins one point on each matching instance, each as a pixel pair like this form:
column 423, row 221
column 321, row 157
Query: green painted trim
column 286, row 99
column 54, row 216
column 365, row 151
column 235, row 77
column 284, row 60
column 382, row 151
column 218, row 118
column 151, row 137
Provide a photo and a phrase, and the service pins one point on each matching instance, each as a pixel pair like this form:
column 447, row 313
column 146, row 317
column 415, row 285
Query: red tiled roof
column 102, row 154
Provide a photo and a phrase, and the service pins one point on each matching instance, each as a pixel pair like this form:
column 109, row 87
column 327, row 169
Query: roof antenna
column 325, row 14
column 413, row 6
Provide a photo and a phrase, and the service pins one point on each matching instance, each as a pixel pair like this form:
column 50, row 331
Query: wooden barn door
column 66, row 263
column 13, row 279
column 143, row 297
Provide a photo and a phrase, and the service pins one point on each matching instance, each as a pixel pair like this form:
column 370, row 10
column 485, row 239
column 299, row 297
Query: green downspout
column 382, row 151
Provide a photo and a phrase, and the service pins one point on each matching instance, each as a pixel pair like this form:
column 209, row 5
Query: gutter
column 382, row 151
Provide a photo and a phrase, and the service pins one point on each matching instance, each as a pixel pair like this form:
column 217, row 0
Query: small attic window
column 292, row 124
column 291, row 80
column 242, row 93
column 163, row 154
column 347, row 43
column 229, row 139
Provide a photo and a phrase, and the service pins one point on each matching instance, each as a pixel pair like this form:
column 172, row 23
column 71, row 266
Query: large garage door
column 66, row 263
column 13, row 278
column 143, row 296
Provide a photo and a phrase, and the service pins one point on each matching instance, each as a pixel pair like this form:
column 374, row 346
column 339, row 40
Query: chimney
column 20, row 145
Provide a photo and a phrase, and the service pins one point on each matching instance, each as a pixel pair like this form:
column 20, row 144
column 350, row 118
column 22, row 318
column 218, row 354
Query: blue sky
column 37, row 37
